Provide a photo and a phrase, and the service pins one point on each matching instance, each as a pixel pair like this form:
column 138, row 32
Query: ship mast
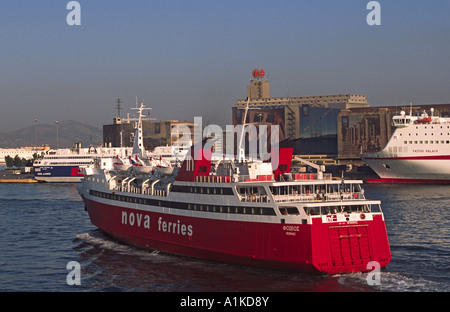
column 241, row 148
column 138, row 146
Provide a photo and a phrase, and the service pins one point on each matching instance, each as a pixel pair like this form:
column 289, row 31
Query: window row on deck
column 229, row 209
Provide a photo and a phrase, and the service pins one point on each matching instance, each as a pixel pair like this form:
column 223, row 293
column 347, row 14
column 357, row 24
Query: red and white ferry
column 241, row 212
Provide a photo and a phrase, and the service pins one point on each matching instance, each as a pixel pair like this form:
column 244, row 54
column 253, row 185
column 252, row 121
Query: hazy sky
column 194, row 58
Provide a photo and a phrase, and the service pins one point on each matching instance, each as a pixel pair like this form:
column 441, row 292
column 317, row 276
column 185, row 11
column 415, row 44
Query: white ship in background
column 23, row 152
column 69, row 165
column 417, row 152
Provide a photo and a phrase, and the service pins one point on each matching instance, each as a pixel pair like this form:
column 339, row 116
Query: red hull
column 321, row 247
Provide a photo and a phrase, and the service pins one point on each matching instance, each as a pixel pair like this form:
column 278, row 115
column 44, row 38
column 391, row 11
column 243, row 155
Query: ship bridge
column 403, row 120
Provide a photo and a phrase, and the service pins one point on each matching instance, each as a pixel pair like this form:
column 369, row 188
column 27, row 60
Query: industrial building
column 325, row 127
column 311, row 120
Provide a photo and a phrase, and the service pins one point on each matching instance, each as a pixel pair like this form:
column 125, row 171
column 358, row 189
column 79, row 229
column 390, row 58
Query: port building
column 333, row 128
column 311, row 120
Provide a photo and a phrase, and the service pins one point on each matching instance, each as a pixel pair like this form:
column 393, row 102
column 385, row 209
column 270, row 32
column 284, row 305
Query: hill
column 69, row 133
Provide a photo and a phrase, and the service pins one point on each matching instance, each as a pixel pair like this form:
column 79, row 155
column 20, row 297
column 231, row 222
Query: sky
column 188, row 58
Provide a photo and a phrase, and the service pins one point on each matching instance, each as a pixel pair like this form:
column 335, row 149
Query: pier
column 11, row 176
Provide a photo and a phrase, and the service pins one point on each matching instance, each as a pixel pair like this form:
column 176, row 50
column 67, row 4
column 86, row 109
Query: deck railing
column 317, row 197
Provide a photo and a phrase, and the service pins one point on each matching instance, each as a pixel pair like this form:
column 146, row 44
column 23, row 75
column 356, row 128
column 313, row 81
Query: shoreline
column 10, row 176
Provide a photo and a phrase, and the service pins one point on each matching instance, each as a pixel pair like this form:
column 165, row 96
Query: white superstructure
column 418, row 151
column 22, row 152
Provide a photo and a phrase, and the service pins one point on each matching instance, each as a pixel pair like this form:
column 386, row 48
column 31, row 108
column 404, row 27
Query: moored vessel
column 417, row 152
column 23, row 152
column 68, row 165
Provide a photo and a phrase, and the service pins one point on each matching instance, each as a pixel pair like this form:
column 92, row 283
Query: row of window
column 232, row 209
column 432, row 127
column 64, row 163
column 327, row 210
column 68, row 157
column 186, row 206
column 427, row 142
column 202, row 190
column 417, row 134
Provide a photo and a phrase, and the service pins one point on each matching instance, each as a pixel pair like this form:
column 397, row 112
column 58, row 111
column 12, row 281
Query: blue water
column 44, row 226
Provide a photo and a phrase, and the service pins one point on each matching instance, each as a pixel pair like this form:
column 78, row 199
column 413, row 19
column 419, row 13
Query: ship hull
column 319, row 247
column 433, row 170
column 58, row 174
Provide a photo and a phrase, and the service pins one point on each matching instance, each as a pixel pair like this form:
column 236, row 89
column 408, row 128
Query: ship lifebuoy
column 255, row 73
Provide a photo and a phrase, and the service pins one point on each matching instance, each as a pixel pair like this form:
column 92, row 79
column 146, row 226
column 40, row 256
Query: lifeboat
column 424, row 120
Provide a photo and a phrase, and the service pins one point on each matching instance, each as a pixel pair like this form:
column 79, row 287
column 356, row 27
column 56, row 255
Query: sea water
column 44, row 227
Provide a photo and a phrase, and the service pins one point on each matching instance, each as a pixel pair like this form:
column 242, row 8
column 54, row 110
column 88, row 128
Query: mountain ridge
column 69, row 132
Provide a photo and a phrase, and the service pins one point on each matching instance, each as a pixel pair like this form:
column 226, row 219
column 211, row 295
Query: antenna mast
column 118, row 107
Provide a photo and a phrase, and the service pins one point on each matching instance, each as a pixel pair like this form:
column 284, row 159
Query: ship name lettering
column 137, row 219
column 294, row 228
column 175, row 227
